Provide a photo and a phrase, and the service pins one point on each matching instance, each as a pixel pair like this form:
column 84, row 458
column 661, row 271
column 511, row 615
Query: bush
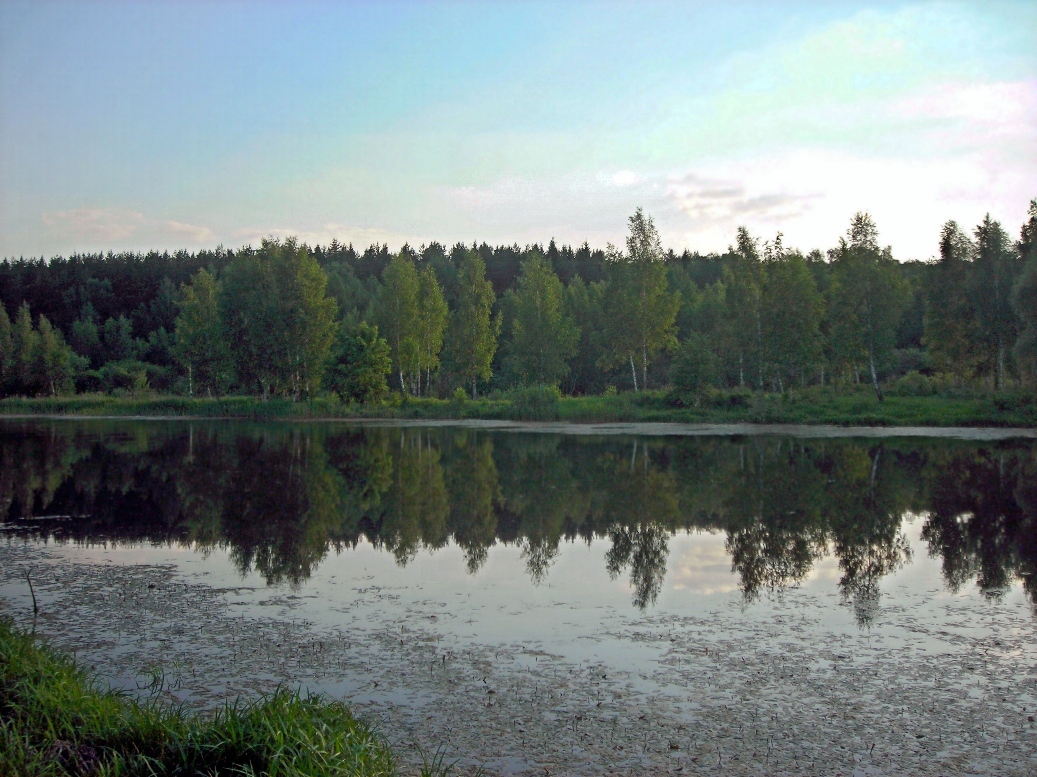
column 534, row 403
column 914, row 384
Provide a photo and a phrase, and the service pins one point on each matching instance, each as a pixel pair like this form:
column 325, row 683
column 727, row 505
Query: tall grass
column 55, row 719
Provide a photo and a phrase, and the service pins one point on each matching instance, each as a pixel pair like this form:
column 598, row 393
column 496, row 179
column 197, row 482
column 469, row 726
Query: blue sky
column 169, row 125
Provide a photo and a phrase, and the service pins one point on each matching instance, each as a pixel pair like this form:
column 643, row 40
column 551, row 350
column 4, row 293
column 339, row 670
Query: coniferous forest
column 294, row 321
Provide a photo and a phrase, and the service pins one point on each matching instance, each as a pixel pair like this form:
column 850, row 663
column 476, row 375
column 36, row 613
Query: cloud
column 195, row 235
column 620, row 179
column 360, row 237
column 704, row 566
column 94, row 226
column 707, row 201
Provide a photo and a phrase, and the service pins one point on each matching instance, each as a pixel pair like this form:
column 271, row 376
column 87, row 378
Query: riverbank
column 58, row 720
column 817, row 406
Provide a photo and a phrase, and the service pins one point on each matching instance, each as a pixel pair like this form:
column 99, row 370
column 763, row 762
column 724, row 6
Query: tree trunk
column 741, row 371
column 473, row 388
column 875, row 378
column 403, row 386
column 1000, row 363
column 644, row 366
column 633, row 371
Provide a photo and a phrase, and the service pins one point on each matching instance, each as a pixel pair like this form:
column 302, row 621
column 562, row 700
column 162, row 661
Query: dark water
column 279, row 498
column 576, row 603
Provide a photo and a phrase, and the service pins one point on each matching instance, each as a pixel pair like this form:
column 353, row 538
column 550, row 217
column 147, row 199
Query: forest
column 293, row 321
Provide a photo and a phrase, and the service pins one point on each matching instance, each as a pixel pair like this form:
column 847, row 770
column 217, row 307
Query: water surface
column 582, row 603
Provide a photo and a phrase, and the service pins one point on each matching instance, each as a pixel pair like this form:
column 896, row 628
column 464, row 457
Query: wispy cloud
column 192, row 233
column 94, row 225
column 359, row 236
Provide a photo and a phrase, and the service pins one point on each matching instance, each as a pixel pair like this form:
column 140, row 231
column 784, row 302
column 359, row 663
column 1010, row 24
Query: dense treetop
column 283, row 318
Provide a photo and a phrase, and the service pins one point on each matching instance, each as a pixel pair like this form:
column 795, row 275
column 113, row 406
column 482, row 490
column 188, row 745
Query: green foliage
column 280, row 323
column 914, row 384
column 866, row 299
column 744, row 291
column 201, row 344
column 58, row 721
column 34, row 361
column 641, row 310
column 997, row 266
column 694, row 369
column 55, row 363
column 1024, row 298
column 117, row 340
column 396, row 314
column 534, row 403
column 433, row 315
column 473, row 330
column 791, row 313
column 359, row 368
column 6, row 352
column 950, row 319
column 543, row 334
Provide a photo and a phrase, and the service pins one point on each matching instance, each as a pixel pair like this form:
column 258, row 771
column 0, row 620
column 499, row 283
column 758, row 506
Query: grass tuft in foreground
column 55, row 719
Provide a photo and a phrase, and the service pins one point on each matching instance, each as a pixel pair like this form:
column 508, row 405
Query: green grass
column 856, row 407
column 55, row 719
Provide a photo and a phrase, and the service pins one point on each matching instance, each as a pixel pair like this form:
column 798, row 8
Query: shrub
column 914, row 384
column 535, row 403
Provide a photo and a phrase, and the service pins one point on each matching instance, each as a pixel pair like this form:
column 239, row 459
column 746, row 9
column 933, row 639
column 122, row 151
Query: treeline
column 279, row 499
column 288, row 320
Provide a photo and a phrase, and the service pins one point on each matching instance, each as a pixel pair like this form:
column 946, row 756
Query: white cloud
column 93, row 226
column 359, row 237
column 193, row 234
column 704, row 567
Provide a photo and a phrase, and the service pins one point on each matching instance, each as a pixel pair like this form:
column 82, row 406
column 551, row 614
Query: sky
column 168, row 125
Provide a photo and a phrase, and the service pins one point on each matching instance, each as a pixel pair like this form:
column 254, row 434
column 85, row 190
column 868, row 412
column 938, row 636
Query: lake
column 554, row 599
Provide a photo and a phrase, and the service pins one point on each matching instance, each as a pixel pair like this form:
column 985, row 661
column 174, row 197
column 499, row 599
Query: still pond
column 553, row 600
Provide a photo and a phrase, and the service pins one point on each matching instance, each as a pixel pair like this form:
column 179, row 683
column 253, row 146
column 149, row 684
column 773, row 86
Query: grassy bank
column 55, row 719
column 812, row 406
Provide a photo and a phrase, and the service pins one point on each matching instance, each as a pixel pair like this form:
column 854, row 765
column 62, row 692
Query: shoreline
column 590, row 428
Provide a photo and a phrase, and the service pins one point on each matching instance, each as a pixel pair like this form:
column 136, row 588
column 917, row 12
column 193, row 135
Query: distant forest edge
column 293, row 322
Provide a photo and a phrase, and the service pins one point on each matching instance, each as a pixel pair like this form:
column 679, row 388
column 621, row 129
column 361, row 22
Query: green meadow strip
column 809, row 406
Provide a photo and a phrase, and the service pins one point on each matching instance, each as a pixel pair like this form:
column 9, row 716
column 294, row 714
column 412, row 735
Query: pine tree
column 950, row 319
column 995, row 269
column 1024, row 296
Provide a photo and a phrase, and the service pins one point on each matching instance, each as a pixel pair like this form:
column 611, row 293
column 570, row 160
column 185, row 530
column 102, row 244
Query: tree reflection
column 278, row 498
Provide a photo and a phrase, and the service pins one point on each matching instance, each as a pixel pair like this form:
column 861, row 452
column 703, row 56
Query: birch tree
column 473, row 330
column 640, row 310
column 543, row 334
column 397, row 315
column 431, row 324
column 867, row 297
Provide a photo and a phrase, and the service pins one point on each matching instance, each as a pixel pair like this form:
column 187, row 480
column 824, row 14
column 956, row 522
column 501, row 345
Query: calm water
column 893, row 576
